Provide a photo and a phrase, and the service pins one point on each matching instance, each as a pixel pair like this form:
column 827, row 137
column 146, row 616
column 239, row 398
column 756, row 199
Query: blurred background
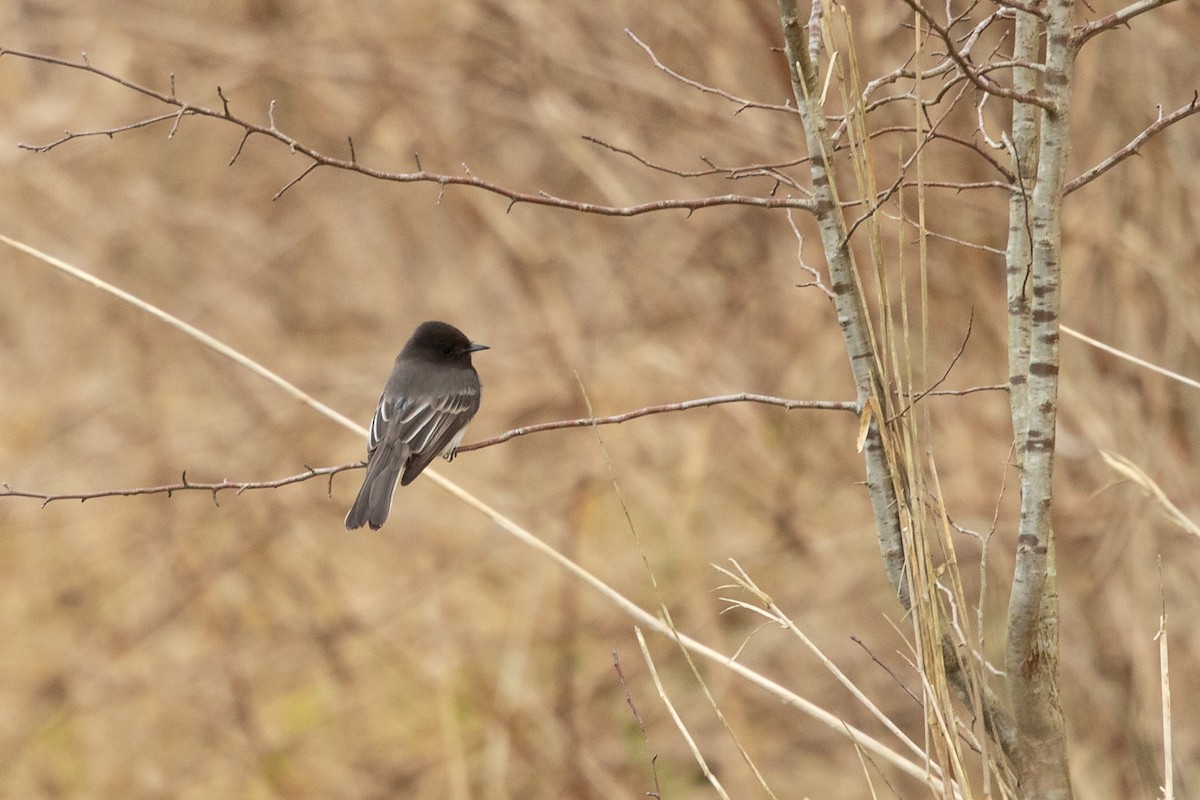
column 174, row 647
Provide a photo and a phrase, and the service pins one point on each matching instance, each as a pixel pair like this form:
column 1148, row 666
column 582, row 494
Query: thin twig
column 241, row 486
column 1028, row 8
column 183, row 485
column 1004, row 171
column 884, row 196
column 657, row 793
column 1131, row 149
column 903, row 72
column 816, row 281
column 678, row 720
column 743, row 103
column 968, row 69
column 962, row 348
column 353, row 165
column 702, row 402
column 109, row 132
column 993, row 387
column 1122, row 17
column 733, row 173
column 887, row 669
column 295, row 180
column 945, row 237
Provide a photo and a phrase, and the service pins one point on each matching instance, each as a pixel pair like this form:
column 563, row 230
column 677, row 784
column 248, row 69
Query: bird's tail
column 374, row 499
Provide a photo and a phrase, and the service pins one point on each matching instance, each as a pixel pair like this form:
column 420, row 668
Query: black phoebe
column 428, row 400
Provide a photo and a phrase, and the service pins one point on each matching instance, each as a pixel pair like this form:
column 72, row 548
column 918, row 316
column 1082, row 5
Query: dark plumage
column 428, row 400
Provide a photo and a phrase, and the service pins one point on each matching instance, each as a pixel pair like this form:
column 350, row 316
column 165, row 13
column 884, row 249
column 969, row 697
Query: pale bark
column 1031, row 655
column 848, row 300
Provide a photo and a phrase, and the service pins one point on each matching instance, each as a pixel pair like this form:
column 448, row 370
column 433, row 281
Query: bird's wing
column 385, row 412
column 433, row 425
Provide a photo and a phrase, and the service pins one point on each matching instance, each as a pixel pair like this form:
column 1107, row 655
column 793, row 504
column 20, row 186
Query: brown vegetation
column 173, row 647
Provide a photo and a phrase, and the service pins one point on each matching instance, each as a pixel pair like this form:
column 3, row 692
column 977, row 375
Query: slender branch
column 296, row 180
column 743, row 104
column 930, row 102
column 944, row 237
column 962, row 348
column 1162, row 123
column 772, row 171
column 900, row 181
column 183, row 485
column 972, row 74
column 992, row 387
column 1029, row 8
column 816, row 275
column 109, row 132
column 903, row 72
column 353, row 165
column 703, row 402
column 657, row 793
column 238, row 487
column 1122, row 17
column 733, row 173
column 1008, row 175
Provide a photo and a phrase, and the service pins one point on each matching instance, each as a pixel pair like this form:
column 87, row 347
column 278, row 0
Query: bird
column 428, row 400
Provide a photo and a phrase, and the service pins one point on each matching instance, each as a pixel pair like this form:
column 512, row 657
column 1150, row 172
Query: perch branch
column 184, row 484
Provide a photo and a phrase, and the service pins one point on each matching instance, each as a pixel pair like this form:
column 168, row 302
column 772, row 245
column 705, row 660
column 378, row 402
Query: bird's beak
column 476, row 347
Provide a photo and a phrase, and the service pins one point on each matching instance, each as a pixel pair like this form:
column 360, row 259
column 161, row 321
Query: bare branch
column 183, row 485
column 903, row 72
column 109, row 132
column 743, row 104
column 994, row 387
column 733, row 173
column 945, row 237
column 772, row 171
column 962, row 348
column 1122, row 17
column 972, row 73
column 884, row 196
column 238, row 487
column 1004, row 171
column 936, row 99
column 1029, row 8
column 295, row 180
column 703, row 402
column 657, row 793
column 885, row 668
column 1159, row 125
column 353, row 165
column 816, row 281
